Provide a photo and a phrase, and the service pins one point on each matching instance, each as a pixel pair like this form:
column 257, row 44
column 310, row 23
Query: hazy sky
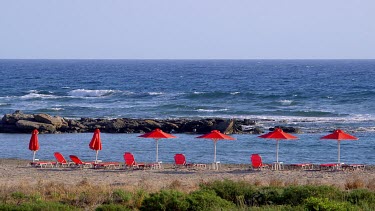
column 191, row 29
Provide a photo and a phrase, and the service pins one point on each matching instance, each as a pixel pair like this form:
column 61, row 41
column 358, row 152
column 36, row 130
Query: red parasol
column 278, row 134
column 96, row 143
column 339, row 135
column 157, row 134
column 34, row 143
column 215, row 135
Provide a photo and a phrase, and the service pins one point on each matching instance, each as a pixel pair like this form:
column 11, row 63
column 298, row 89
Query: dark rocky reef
column 19, row 122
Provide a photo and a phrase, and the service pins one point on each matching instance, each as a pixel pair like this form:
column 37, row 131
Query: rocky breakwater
column 18, row 122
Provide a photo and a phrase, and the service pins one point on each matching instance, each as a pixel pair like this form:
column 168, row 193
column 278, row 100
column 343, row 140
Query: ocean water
column 315, row 95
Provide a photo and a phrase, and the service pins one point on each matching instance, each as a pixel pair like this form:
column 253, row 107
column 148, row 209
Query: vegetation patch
column 216, row 195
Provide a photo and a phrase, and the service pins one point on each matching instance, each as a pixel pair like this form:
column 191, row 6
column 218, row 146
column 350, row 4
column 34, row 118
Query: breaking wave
column 91, row 93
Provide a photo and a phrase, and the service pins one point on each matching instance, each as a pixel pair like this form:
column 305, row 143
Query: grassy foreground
column 216, row 195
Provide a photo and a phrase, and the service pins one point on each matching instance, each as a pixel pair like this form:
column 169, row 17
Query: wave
column 56, row 109
column 210, row 95
column 91, row 93
column 155, row 93
column 38, row 95
column 285, row 102
column 211, row 110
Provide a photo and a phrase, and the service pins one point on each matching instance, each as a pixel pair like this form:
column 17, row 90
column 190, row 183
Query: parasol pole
column 96, row 158
column 215, row 140
column 157, row 150
column 277, row 150
column 34, row 156
column 338, row 151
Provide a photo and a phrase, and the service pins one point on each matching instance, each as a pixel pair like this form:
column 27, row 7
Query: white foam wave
column 211, row 110
column 155, row 93
column 285, row 102
column 235, row 93
column 298, row 119
column 37, row 95
column 90, row 93
column 56, row 109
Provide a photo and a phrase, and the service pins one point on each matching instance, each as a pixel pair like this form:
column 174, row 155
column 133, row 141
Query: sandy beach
column 17, row 172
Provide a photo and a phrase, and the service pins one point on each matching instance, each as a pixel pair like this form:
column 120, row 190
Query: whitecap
column 36, row 95
column 235, row 93
column 285, row 102
column 90, row 93
column 211, row 110
column 155, row 93
column 56, row 109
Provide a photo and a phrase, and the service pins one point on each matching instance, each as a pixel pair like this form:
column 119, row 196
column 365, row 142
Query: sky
column 193, row 29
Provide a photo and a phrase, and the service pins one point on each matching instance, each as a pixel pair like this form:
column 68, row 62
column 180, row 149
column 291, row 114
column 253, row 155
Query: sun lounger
column 330, row 166
column 180, row 161
column 256, row 162
column 61, row 161
column 303, row 166
column 78, row 162
column 353, row 167
column 108, row 165
column 42, row 164
column 131, row 163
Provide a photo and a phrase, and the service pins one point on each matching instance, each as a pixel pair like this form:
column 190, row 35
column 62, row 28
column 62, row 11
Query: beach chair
column 78, row 162
column 330, row 166
column 180, row 161
column 131, row 163
column 303, row 166
column 107, row 165
column 256, row 162
column 61, row 161
column 353, row 167
column 42, row 164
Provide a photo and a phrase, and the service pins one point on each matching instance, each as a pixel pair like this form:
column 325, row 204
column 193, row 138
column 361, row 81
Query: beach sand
column 15, row 172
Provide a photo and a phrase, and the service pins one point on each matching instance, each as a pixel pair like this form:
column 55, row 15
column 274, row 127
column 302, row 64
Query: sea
column 316, row 96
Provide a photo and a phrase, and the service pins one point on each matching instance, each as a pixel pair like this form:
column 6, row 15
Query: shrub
column 138, row 198
column 121, row 197
column 112, row 207
column 45, row 206
column 208, row 200
column 361, row 197
column 235, row 192
column 166, row 200
column 324, row 204
column 355, row 183
column 296, row 195
column 266, row 196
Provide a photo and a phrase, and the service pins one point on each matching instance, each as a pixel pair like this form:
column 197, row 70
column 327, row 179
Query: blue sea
column 314, row 95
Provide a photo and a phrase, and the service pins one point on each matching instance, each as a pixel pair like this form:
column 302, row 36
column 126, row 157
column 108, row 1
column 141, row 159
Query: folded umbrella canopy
column 156, row 135
column 278, row 134
column 34, row 143
column 215, row 135
column 96, row 143
column 339, row 135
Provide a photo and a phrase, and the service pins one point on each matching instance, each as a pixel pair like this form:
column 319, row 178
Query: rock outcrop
column 19, row 122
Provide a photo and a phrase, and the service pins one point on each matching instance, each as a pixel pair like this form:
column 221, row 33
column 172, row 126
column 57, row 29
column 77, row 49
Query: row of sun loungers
column 180, row 162
column 257, row 164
